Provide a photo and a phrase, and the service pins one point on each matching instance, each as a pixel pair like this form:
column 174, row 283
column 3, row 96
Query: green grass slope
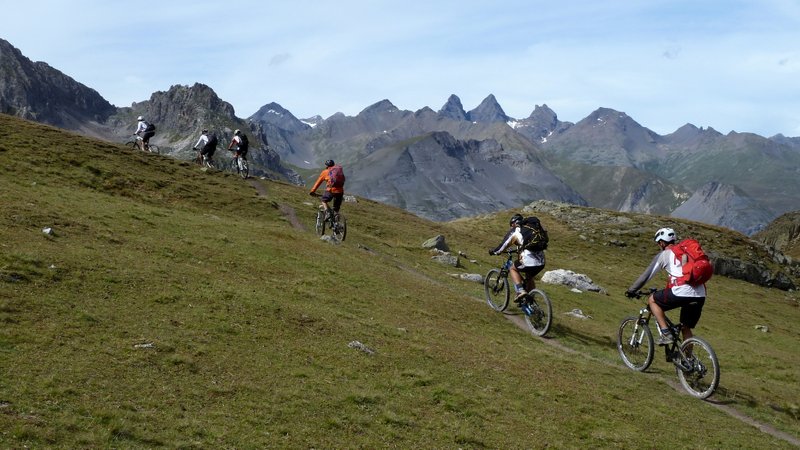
column 176, row 308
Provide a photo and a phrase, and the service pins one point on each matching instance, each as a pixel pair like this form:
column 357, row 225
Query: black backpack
column 534, row 235
column 212, row 142
column 150, row 128
column 244, row 145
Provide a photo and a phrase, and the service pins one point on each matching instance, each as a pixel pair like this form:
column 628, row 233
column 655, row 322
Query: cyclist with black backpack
column 145, row 130
column 207, row 144
column 333, row 176
column 531, row 240
column 241, row 143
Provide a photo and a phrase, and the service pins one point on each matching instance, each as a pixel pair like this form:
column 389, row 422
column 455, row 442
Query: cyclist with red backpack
column 333, row 176
column 687, row 270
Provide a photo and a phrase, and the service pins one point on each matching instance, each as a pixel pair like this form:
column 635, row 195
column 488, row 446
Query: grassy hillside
column 172, row 307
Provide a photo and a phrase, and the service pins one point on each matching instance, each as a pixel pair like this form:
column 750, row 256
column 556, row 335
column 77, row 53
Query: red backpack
column 698, row 268
column 336, row 175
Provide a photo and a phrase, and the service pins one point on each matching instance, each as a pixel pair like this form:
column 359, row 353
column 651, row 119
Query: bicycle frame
column 696, row 363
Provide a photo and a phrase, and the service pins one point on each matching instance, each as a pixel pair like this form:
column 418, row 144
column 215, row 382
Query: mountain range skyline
column 729, row 66
column 606, row 160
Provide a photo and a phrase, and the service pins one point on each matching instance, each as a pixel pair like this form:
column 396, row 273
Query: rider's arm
column 322, row 177
column 512, row 237
column 234, row 141
column 655, row 265
column 203, row 139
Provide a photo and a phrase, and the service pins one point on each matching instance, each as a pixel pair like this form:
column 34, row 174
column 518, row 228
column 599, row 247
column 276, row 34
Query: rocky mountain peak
column 36, row 91
column 275, row 114
column 725, row 205
column 453, row 109
column 488, row 111
column 383, row 106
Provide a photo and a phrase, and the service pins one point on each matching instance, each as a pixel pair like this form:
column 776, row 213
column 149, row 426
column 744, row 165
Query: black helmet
column 515, row 219
column 329, row 163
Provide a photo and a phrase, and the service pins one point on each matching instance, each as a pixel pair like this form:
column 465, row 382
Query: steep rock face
column 441, row 178
column 488, row 111
column 783, row 234
column 453, row 109
column 607, row 138
column 36, row 91
column 541, row 124
column 277, row 115
column 724, row 205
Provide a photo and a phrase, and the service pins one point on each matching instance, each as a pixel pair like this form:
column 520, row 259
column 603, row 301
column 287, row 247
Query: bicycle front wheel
column 134, row 145
column 496, row 289
column 340, row 228
column 319, row 225
column 701, row 377
column 538, row 313
column 635, row 343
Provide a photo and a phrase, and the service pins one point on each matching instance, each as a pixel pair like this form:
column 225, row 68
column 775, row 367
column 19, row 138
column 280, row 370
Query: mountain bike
column 240, row 166
column 135, row 144
column 334, row 221
column 695, row 362
column 203, row 160
column 535, row 305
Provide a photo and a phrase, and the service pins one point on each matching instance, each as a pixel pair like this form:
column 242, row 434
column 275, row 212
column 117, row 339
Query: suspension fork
column 643, row 321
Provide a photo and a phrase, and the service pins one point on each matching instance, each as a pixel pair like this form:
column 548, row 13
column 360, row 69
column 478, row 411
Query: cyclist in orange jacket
column 333, row 176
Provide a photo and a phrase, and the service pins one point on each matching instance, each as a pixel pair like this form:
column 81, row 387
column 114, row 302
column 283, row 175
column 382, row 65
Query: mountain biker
column 207, row 144
column 690, row 299
column 332, row 192
column 529, row 263
column 240, row 142
column 141, row 130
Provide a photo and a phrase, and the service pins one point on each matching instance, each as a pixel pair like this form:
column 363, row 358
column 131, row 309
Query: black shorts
column 337, row 199
column 208, row 151
column 147, row 135
column 691, row 307
column 530, row 271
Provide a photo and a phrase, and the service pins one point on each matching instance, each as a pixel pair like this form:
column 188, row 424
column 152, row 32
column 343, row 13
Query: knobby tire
column 541, row 312
column 702, row 378
column 495, row 287
column 635, row 343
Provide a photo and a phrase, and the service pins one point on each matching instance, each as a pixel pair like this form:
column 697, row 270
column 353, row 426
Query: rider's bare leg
column 658, row 313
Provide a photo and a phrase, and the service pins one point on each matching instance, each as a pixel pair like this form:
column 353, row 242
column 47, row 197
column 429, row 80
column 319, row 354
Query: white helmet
column 140, row 118
column 665, row 234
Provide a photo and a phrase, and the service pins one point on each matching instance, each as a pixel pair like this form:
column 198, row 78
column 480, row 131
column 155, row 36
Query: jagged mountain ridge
column 36, row 91
column 678, row 163
column 41, row 93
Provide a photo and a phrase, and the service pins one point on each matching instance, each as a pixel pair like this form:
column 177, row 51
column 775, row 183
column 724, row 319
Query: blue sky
column 731, row 65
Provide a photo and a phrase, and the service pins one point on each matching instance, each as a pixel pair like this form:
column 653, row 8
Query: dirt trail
column 286, row 210
column 516, row 319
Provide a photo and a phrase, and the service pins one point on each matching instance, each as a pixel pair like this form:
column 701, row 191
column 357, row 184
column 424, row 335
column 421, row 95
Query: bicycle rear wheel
column 496, row 289
column 538, row 312
column 702, row 378
column 635, row 343
column 319, row 225
column 154, row 149
column 339, row 228
column 244, row 168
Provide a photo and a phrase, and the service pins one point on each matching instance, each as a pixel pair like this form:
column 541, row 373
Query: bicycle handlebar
column 640, row 293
